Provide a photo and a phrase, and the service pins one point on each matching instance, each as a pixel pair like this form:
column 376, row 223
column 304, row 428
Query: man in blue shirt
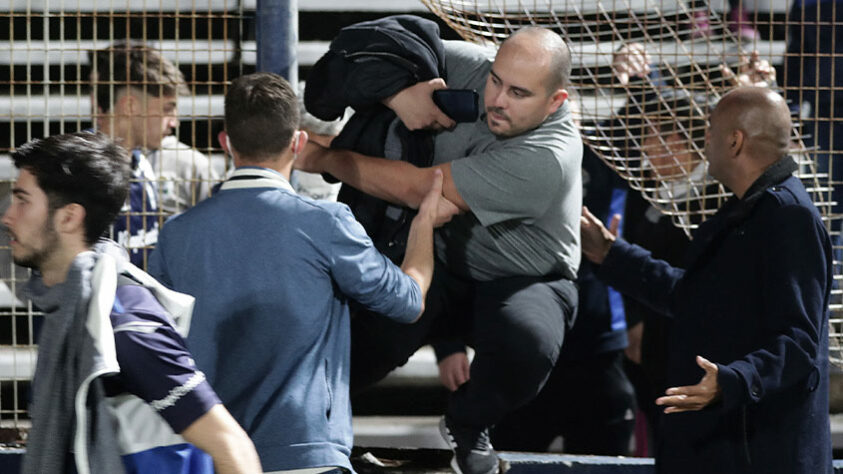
column 107, row 339
column 273, row 273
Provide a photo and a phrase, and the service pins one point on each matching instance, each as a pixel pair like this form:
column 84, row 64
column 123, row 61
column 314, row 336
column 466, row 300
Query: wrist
column 424, row 219
column 389, row 102
column 320, row 161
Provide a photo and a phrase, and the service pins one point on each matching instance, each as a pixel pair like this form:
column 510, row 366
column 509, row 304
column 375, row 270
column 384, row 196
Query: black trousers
column 515, row 325
column 590, row 403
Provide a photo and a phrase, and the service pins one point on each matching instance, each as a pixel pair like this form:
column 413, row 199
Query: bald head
column 547, row 48
column 749, row 130
column 763, row 117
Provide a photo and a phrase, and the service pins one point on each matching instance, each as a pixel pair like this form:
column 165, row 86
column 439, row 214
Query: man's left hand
column 693, row 397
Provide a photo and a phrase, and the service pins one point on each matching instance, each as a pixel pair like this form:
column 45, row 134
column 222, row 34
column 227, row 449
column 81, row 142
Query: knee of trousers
column 527, row 364
column 533, row 349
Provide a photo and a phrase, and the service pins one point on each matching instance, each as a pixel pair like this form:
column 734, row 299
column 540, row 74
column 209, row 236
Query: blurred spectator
column 134, row 93
column 313, row 185
column 185, row 175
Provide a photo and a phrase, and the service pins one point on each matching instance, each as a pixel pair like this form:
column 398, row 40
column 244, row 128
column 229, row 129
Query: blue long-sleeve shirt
column 272, row 274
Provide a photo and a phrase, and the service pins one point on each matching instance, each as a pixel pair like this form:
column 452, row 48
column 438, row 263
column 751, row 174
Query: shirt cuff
column 447, row 348
column 189, row 407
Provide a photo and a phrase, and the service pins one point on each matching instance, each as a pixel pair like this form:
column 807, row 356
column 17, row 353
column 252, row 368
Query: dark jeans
column 590, row 403
column 516, row 326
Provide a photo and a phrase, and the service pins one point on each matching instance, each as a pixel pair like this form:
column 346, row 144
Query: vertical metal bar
column 276, row 35
column 46, row 67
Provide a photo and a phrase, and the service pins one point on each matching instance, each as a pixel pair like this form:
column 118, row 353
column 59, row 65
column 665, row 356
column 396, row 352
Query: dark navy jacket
column 753, row 299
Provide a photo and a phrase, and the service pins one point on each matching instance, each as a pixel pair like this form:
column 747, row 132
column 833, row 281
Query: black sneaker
column 473, row 452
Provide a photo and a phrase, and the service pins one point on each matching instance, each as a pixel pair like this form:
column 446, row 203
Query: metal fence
column 46, row 76
column 46, row 73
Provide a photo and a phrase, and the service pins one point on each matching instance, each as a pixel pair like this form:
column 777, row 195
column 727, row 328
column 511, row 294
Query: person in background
column 134, row 95
column 314, row 185
column 185, row 175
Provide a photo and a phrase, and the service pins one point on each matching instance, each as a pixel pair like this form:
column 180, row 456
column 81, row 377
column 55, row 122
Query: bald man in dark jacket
column 748, row 352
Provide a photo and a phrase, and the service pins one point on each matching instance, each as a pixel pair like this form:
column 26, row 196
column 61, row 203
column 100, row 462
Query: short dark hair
column 261, row 115
column 84, row 168
column 133, row 65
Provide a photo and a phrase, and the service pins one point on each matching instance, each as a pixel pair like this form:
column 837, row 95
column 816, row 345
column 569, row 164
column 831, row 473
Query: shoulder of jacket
column 784, row 193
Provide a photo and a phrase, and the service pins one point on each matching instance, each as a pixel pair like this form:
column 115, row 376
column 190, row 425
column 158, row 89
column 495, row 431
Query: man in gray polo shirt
column 505, row 266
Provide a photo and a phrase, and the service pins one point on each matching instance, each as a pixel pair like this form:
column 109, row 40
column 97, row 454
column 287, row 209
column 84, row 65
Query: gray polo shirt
column 525, row 192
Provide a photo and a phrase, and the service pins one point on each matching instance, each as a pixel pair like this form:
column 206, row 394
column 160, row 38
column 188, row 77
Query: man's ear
column 736, row 142
column 299, row 141
column 70, row 219
column 225, row 142
column 557, row 99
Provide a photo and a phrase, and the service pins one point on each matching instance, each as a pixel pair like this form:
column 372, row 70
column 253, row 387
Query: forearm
column 632, row 271
column 418, row 257
column 395, row 181
column 219, row 435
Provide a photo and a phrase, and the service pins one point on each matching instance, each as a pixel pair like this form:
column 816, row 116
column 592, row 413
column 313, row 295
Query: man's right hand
column 434, row 207
column 414, row 106
column 454, row 370
column 596, row 239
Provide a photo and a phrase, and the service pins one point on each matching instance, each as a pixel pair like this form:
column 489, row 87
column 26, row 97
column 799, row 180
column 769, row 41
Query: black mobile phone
column 459, row 104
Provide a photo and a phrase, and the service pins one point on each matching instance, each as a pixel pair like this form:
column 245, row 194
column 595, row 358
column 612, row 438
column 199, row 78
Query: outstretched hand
column 595, row 238
column 415, row 107
column 693, row 397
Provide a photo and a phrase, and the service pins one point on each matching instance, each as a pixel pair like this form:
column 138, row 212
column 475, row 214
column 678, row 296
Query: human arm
column 626, row 267
column 156, row 265
column 156, row 367
column 517, row 179
column 398, row 182
column 363, row 273
column 418, row 256
column 218, row 434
